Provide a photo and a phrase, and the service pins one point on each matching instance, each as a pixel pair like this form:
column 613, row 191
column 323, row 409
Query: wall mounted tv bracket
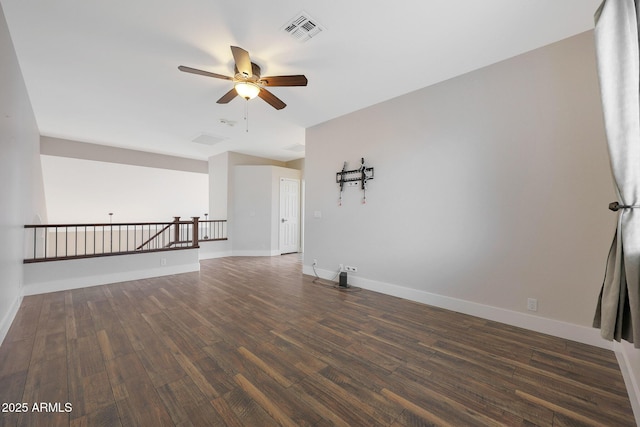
column 362, row 175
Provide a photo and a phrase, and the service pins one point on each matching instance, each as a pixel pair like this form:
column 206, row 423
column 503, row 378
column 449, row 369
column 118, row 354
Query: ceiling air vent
column 296, row 147
column 207, row 139
column 302, row 27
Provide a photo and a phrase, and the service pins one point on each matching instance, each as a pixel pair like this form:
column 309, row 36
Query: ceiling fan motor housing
column 255, row 69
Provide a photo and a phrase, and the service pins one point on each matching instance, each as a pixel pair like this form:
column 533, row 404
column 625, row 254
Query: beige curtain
column 616, row 34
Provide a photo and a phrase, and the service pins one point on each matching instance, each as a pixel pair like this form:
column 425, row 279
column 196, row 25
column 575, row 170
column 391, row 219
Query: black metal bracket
column 362, row 174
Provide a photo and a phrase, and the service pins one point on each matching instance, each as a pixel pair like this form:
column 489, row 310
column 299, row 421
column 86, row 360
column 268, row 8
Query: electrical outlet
column 532, row 304
column 315, row 262
column 163, row 261
column 351, row 268
column 341, row 267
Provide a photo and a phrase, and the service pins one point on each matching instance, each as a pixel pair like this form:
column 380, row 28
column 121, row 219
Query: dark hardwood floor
column 253, row 342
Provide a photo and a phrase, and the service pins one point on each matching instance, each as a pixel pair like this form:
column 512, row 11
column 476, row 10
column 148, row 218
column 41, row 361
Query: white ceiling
column 105, row 71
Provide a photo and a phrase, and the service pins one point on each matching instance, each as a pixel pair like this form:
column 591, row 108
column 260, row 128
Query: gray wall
column 221, row 180
column 21, row 190
column 86, row 151
column 222, row 198
column 256, row 225
column 491, row 187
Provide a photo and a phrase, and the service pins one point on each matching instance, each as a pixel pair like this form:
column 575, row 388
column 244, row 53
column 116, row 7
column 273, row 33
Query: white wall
column 222, row 186
column 489, row 188
column 44, row 277
column 256, row 206
column 218, row 185
column 21, row 193
column 252, row 206
column 253, row 223
column 221, row 179
column 85, row 191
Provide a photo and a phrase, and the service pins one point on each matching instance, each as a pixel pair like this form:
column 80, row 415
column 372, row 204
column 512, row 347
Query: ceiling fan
column 247, row 81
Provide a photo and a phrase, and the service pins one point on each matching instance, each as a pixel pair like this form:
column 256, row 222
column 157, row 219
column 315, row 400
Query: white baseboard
column 265, row 252
column 104, row 279
column 543, row 325
column 625, row 360
column 6, row 322
column 211, row 255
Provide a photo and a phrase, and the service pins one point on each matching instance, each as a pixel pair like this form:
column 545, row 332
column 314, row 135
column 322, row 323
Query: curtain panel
column 617, row 49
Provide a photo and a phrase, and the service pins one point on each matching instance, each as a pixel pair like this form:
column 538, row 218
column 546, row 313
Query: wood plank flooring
column 253, row 342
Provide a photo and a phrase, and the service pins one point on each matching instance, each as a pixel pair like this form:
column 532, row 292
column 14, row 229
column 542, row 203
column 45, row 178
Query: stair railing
column 52, row 242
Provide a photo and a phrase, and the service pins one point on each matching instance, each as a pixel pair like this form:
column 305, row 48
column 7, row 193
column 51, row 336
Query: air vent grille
column 302, row 27
column 208, row 139
column 296, row 147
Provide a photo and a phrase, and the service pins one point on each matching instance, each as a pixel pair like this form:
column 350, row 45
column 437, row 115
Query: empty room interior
column 305, row 214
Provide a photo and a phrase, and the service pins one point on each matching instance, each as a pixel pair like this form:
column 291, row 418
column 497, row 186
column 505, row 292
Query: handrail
column 176, row 220
column 213, row 229
column 52, row 242
column 103, row 224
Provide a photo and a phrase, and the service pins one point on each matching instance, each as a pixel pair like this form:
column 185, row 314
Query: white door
column 289, row 215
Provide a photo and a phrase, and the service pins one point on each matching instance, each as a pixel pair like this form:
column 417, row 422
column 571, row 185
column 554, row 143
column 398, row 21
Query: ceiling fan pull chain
column 246, row 114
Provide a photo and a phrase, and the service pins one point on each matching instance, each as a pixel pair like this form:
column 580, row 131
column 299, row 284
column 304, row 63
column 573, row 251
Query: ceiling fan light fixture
column 247, row 90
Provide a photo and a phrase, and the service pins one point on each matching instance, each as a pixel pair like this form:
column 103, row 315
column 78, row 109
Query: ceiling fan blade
column 203, row 73
column 271, row 99
column 243, row 62
column 227, row 96
column 297, row 80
